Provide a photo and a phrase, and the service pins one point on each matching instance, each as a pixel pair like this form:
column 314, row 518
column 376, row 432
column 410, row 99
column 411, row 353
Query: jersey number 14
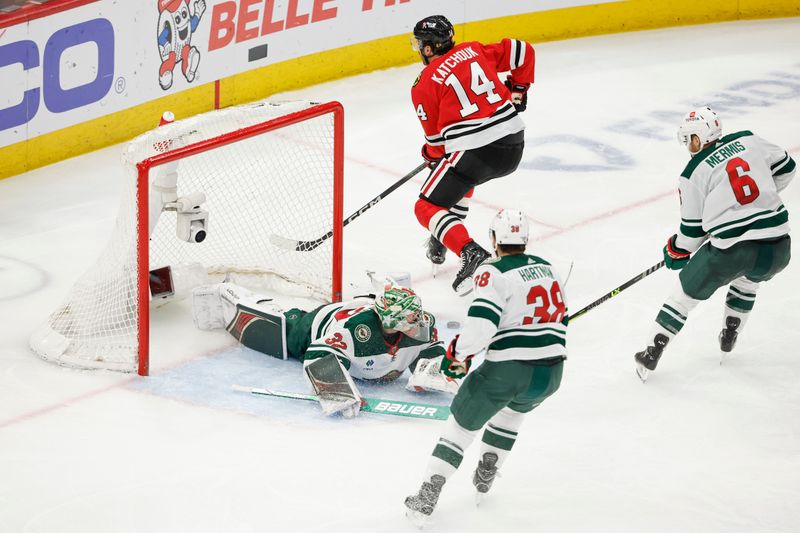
column 479, row 83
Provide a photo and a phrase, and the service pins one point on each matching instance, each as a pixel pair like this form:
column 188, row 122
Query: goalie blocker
column 333, row 386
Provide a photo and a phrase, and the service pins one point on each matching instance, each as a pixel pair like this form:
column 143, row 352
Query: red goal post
column 279, row 176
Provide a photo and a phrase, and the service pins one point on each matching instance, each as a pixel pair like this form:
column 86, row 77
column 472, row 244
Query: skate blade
column 434, row 270
column 420, row 520
column 465, row 288
column 479, row 497
column 642, row 372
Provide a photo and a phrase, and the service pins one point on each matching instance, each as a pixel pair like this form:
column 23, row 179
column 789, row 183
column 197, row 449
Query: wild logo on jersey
column 355, row 336
column 363, row 333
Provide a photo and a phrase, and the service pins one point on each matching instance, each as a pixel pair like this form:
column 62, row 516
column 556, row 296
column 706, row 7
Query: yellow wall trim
column 309, row 70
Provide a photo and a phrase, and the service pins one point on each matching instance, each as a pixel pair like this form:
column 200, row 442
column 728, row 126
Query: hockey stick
column 618, row 290
column 370, row 405
column 307, row 246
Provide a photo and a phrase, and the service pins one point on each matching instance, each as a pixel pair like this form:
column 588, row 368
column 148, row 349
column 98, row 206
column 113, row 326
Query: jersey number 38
column 543, row 300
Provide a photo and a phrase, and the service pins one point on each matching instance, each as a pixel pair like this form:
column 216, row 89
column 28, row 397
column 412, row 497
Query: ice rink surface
column 702, row 447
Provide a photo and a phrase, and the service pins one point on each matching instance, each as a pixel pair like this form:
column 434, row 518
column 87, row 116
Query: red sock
column 443, row 225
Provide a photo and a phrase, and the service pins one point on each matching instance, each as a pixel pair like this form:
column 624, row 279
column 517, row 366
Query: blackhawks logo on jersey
column 363, row 333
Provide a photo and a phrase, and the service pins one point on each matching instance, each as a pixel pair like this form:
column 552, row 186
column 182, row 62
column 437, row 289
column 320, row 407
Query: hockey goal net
column 226, row 190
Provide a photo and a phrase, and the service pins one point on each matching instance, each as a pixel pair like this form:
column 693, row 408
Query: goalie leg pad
column 261, row 327
column 253, row 320
column 207, row 309
column 214, row 306
column 333, row 386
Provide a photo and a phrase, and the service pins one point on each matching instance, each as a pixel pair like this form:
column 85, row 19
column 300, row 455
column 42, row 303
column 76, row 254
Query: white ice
column 701, row 447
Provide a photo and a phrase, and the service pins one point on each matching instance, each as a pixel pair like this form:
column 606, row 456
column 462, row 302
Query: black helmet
column 434, row 31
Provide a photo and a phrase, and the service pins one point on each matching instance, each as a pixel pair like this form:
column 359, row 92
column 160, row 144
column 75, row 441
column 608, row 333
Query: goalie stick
column 307, row 246
column 370, row 405
column 618, row 290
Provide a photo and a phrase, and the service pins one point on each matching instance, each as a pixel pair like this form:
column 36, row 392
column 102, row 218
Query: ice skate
column 484, row 475
column 420, row 505
column 647, row 360
column 727, row 337
column 435, row 251
column 472, row 255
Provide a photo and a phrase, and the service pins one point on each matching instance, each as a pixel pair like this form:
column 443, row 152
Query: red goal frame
column 142, row 238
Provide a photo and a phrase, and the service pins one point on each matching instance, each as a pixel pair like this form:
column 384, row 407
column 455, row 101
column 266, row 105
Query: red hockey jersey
column 460, row 100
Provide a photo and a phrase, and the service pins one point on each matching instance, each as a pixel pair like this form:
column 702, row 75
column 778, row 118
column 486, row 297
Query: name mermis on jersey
column 48, row 59
column 724, row 153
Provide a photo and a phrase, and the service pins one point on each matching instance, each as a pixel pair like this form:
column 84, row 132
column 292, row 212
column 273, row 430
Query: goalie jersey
column 519, row 311
column 352, row 332
column 729, row 192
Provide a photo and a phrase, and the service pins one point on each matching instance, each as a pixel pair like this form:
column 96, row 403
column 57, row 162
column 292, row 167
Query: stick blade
column 283, row 242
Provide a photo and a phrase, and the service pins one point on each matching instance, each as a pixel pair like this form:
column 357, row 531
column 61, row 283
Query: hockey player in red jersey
column 473, row 132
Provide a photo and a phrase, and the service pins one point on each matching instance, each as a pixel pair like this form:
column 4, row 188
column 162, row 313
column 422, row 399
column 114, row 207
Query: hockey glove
column 519, row 95
column 431, row 159
column 427, row 376
column 675, row 258
column 452, row 367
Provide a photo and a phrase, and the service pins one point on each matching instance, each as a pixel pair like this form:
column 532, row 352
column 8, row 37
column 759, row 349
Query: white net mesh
column 260, row 192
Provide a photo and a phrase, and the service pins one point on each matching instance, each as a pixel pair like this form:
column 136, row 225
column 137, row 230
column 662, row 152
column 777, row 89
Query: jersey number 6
column 744, row 187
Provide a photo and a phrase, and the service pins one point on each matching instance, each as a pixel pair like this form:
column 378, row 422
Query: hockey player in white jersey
column 519, row 316
column 734, row 229
column 372, row 339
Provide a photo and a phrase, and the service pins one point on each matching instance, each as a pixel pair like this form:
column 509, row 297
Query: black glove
column 675, row 258
column 430, row 160
column 519, row 95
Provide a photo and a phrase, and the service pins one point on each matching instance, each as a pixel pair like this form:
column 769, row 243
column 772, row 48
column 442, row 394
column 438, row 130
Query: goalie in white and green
column 734, row 229
column 371, row 339
column 519, row 316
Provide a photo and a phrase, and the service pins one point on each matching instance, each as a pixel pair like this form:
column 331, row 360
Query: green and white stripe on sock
column 670, row 319
column 740, row 300
column 449, row 452
column 498, row 437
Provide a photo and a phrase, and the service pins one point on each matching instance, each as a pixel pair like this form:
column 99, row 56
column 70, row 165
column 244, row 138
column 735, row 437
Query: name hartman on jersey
column 447, row 66
column 535, row 272
column 724, row 153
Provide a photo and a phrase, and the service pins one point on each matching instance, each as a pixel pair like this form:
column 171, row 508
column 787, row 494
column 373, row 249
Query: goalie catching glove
column 452, row 367
column 519, row 94
column 428, row 376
